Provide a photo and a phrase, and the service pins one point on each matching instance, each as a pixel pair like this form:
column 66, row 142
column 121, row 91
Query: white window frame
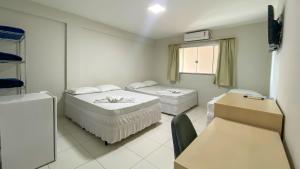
column 199, row 44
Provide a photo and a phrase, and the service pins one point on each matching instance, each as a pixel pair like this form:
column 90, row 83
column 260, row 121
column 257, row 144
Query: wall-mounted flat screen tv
column 274, row 30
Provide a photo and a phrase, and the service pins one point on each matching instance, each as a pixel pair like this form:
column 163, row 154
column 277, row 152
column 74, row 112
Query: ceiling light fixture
column 156, row 9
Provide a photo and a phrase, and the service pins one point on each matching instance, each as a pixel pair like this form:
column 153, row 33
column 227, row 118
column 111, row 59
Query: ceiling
column 180, row 15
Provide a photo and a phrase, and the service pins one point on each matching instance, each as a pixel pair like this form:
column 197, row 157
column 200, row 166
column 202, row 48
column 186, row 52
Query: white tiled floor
column 151, row 148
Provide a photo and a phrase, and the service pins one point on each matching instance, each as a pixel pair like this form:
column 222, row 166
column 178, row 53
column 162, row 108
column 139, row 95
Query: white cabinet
column 28, row 130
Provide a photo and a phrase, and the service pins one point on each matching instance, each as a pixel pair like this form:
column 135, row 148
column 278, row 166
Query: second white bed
column 171, row 103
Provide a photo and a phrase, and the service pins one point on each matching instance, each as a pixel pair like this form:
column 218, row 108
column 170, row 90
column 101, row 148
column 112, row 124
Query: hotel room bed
column 113, row 122
column 171, row 103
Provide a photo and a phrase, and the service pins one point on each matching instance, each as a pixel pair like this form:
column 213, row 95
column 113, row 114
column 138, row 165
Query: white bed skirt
column 114, row 128
column 175, row 109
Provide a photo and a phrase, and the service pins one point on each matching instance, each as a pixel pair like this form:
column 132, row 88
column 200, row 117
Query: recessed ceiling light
column 156, row 8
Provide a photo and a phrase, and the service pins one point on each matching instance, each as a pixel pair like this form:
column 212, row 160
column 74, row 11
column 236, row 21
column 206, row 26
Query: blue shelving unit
column 10, row 83
column 17, row 36
column 7, row 57
column 11, row 33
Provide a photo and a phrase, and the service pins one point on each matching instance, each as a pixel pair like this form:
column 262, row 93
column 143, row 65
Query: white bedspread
column 88, row 101
column 167, row 96
column 114, row 99
column 113, row 121
column 173, row 100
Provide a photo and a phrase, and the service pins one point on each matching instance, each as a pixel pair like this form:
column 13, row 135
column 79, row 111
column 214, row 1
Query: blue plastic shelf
column 11, row 33
column 10, row 83
column 9, row 57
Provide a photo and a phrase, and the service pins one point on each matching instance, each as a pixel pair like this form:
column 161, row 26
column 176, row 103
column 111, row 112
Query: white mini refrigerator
column 27, row 130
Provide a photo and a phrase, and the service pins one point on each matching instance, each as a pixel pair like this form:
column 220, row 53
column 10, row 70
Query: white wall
column 253, row 62
column 100, row 58
column 287, row 86
column 274, row 75
column 65, row 50
column 45, row 52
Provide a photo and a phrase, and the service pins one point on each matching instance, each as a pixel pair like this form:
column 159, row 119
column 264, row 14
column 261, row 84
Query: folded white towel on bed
column 163, row 92
column 114, row 99
column 174, row 90
column 170, row 91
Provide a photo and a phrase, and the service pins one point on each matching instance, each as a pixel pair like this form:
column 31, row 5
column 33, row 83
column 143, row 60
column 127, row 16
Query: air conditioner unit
column 197, row 35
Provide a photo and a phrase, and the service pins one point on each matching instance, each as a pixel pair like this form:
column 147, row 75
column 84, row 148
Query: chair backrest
column 183, row 133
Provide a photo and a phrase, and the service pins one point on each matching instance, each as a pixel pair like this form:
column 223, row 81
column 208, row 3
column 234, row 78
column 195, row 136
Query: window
column 200, row 59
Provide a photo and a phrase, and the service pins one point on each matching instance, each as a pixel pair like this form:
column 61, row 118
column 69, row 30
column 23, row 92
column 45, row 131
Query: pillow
column 150, row 83
column 245, row 92
column 105, row 88
column 136, row 85
column 83, row 90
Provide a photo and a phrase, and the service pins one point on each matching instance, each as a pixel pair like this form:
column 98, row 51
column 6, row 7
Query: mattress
column 211, row 103
column 113, row 122
column 168, row 97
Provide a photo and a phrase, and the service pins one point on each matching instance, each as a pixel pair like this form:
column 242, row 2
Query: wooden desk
column 229, row 145
column 261, row 113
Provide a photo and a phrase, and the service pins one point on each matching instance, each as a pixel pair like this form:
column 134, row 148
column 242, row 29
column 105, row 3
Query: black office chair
column 183, row 133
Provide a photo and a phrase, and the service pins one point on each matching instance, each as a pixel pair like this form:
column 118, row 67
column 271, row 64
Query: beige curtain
column 225, row 75
column 173, row 63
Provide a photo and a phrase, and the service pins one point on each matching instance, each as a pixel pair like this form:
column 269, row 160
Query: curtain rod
column 208, row 40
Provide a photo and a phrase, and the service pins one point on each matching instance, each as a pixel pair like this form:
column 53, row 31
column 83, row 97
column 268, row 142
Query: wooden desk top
column 238, row 100
column 230, row 145
column 260, row 113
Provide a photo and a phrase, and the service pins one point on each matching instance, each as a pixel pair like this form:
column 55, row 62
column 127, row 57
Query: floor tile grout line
column 84, row 150
column 154, row 139
column 82, row 146
column 69, row 135
column 142, row 161
column 89, row 162
column 153, row 151
column 153, row 163
column 66, row 149
column 91, row 156
column 150, row 152
column 144, row 158
column 91, row 153
column 80, row 165
column 100, row 164
column 87, row 153
column 73, row 138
